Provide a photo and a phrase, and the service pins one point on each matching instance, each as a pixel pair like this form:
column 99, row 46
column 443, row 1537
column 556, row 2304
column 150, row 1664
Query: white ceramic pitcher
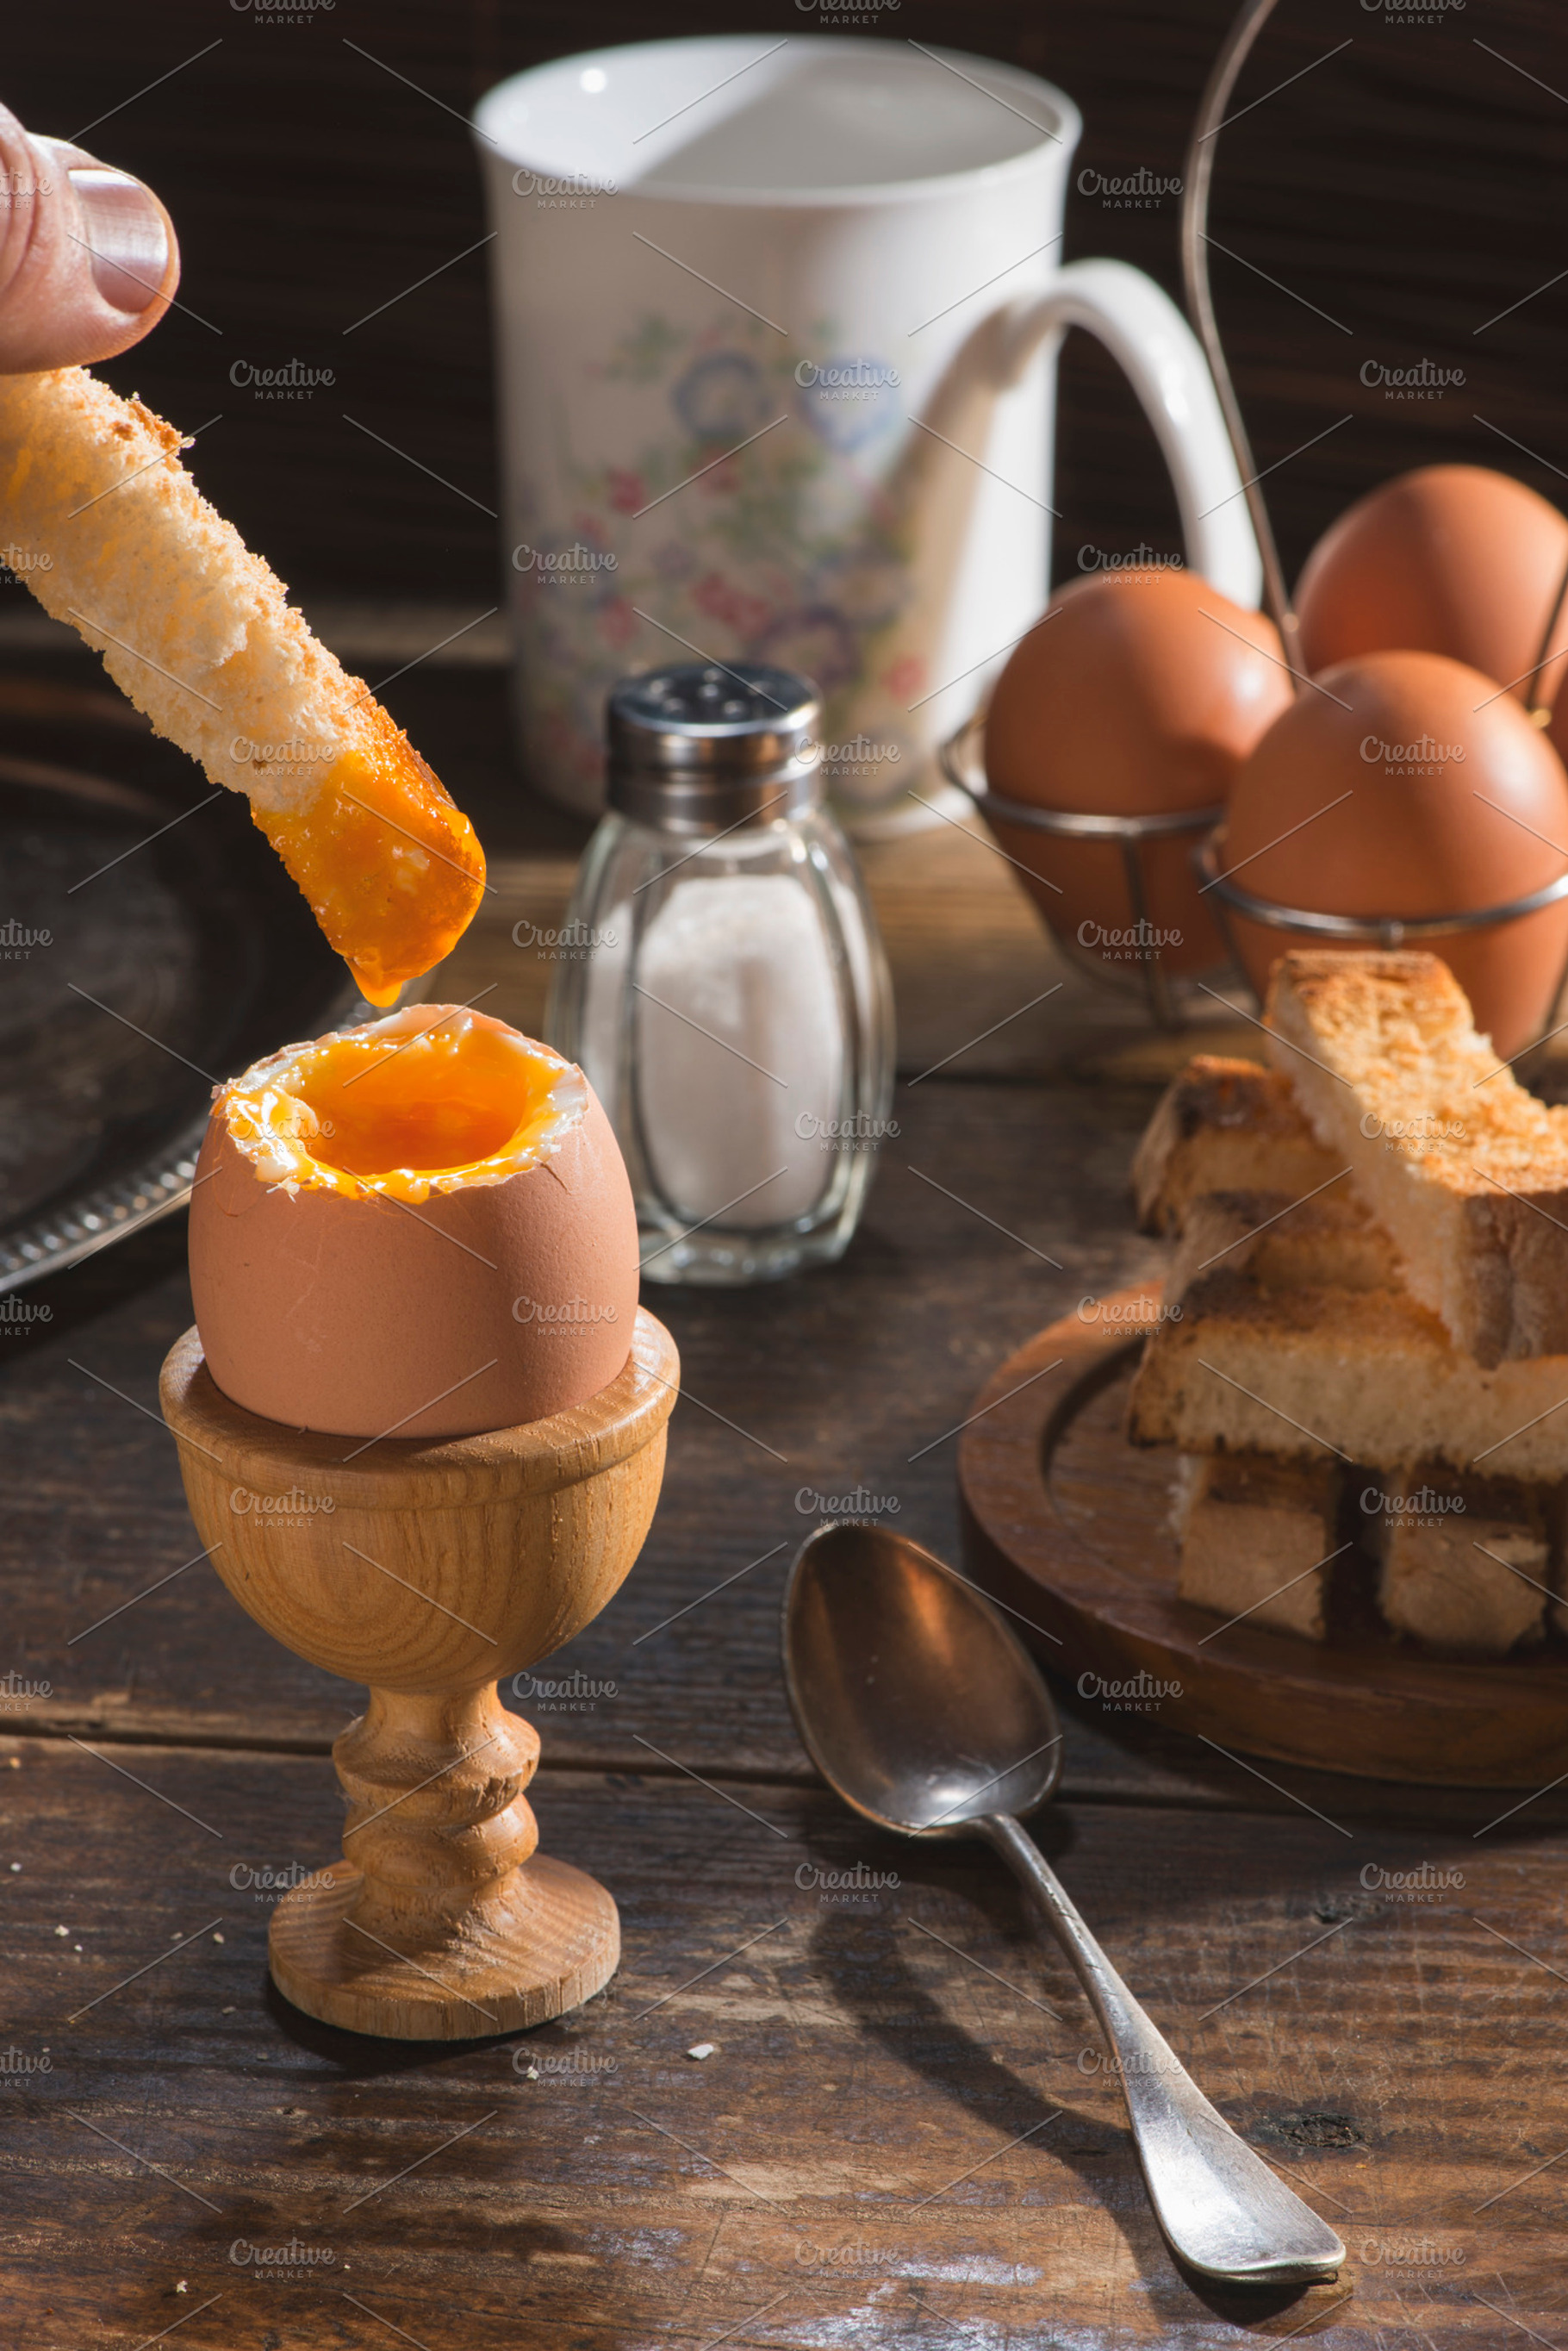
column 777, row 321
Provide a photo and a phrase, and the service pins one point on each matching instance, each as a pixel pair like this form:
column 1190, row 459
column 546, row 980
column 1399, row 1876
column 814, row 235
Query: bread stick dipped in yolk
column 392, row 869
column 199, row 634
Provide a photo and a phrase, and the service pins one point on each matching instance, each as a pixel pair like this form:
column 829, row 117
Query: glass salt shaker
column 726, row 990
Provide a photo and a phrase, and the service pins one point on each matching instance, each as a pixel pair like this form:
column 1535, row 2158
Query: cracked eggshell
column 485, row 1307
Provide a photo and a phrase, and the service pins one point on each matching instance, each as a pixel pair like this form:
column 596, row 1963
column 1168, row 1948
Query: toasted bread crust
column 1293, row 1335
column 1466, row 1568
column 1368, row 1376
column 1329, row 1241
column 1223, row 1125
column 1467, row 1171
column 1256, row 1535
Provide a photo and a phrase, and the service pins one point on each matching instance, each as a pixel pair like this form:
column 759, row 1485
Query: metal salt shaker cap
column 699, row 747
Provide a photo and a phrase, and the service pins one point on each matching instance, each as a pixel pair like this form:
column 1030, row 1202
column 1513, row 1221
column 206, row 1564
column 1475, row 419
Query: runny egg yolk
column 425, row 1100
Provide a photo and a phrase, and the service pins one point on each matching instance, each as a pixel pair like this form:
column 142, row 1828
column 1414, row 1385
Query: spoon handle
column 1223, row 2209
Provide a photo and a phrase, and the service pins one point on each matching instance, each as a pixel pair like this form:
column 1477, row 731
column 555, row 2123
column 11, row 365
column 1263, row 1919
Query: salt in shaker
column 726, row 992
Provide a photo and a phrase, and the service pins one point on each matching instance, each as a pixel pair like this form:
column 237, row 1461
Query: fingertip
column 100, row 264
column 128, row 237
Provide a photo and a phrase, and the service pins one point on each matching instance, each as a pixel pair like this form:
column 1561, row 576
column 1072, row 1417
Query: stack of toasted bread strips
column 1362, row 1355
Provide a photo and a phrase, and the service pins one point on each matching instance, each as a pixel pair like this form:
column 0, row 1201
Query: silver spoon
column 922, row 1708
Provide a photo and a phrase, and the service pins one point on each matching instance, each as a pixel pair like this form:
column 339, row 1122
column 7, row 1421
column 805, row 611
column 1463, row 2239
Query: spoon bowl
column 915, row 1698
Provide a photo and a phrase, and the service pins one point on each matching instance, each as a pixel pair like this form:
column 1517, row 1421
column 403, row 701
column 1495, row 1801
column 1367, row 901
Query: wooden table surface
column 905, row 2132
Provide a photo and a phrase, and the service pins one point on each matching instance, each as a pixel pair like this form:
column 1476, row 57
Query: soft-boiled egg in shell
column 421, row 1227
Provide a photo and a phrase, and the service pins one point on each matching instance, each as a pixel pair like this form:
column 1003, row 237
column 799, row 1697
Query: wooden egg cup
column 431, row 1569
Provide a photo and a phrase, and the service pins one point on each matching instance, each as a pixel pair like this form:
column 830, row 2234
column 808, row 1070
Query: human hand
column 88, row 260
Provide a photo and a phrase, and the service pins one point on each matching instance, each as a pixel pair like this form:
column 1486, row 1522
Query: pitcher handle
column 1145, row 332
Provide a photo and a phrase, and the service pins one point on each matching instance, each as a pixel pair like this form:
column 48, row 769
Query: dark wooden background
column 1412, row 187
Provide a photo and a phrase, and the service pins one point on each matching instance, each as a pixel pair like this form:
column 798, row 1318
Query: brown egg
column 1451, row 560
column 1405, row 784
column 419, row 1228
column 1139, row 692
column 1557, row 732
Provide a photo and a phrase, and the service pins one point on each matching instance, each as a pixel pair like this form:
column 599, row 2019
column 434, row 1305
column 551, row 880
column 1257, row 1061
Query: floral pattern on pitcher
column 754, row 524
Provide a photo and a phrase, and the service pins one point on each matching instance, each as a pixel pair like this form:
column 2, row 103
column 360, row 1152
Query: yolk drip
column 392, row 869
column 418, row 1103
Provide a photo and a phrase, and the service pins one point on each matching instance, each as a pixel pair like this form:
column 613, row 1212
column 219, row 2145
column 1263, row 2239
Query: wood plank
column 848, row 2166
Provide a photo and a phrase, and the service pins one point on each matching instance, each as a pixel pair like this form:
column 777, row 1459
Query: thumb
column 88, row 260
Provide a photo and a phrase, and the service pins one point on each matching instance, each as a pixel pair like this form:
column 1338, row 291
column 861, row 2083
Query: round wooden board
column 1067, row 1523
